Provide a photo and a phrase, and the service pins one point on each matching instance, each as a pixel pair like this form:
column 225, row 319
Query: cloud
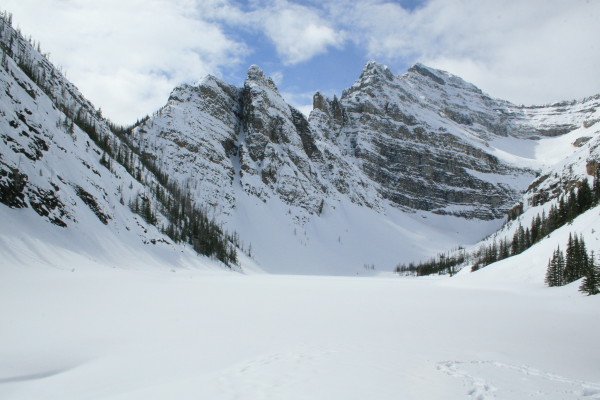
column 277, row 77
column 532, row 51
column 128, row 55
column 298, row 32
column 302, row 101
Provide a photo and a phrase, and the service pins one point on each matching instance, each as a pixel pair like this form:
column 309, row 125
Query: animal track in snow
column 494, row 380
column 272, row 376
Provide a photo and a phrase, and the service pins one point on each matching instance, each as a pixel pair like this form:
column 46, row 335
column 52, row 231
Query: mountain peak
column 257, row 77
column 427, row 72
column 373, row 68
column 255, row 72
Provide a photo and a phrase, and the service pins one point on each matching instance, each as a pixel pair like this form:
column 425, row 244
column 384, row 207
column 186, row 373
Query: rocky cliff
column 394, row 169
column 425, row 140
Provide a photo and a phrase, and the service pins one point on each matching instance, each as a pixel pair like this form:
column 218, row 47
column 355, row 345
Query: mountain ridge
column 423, row 152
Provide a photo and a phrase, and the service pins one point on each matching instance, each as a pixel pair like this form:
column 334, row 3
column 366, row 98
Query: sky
column 127, row 55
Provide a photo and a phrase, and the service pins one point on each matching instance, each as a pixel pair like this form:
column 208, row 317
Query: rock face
column 410, row 136
column 395, row 169
column 277, row 151
column 62, row 161
column 425, row 140
column 215, row 139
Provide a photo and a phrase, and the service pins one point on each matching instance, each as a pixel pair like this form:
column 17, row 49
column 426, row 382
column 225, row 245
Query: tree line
column 562, row 212
column 577, row 263
column 163, row 203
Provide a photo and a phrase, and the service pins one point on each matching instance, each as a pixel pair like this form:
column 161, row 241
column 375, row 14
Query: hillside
column 372, row 178
column 397, row 168
column 68, row 179
column 228, row 247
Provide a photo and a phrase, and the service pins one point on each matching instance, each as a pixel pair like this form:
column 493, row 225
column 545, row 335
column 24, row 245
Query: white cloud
column 533, row 51
column 301, row 101
column 277, row 77
column 126, row 56
column 298, row 32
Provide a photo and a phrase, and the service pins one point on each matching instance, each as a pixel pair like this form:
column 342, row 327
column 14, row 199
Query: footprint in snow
column 494, row 380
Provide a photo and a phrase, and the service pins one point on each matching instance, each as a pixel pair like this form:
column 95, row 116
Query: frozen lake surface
column 104, row 333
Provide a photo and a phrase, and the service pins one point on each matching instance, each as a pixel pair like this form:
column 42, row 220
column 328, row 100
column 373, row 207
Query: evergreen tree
column 561, row 217
column 518, row 242
column 591, row 280
column 571, row 260
column 527, row 240
column 555, row 271
column 597, row 184
column 577, row 259
column 571, row 208
column 582, row 258
column 504, row 250
column 536, row 229
column 585, row 197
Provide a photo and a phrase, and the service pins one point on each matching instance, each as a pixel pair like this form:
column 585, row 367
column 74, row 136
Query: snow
column 346, row 236
column 528, row 269
column 94, row 332
column 116, row 311
column 88, row 316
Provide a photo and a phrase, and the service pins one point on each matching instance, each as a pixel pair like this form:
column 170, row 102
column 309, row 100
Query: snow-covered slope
column 60, row 192
column 435, row 142
column 396, row 169
column 527, row 270
column 571, row 160
column 393, row 151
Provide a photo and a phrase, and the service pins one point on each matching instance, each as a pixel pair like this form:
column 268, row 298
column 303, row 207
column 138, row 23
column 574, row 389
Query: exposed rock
column 581, row 141
column 419, row 141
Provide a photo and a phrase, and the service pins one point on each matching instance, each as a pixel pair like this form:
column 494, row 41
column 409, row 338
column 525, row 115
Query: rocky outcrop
column 214, row 138
column 420, row 141
column 412, row 136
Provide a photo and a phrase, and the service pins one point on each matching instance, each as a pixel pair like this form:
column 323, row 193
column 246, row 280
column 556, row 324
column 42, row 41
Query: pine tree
column 591, row 281
column 536, row 229
column 518, row 242
column 571, row 259
column 555, row 271
column 585, row 197
column 504, row 250
column 597, row 184
column 582, row 259
column 576, row 260
column 527, row 240
column 562, row 216
column 572, row 207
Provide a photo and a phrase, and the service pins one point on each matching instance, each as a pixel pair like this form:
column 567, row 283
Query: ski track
column 489, row 380
column 270, row 376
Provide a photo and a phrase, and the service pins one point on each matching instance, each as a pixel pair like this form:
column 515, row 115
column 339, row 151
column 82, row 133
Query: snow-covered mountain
column 69, row 181
column 395, row 169
column 426, row 140
column 561, row 203
column 414, row 151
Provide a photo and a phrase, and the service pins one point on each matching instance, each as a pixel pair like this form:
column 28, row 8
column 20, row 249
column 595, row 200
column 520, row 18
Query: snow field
column 111, row 333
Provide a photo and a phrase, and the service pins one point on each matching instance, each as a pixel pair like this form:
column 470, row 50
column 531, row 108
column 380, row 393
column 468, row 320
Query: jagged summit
column 434, row 74
column 255, row 72
column 257, row 77
column 391, row 150
column 373, row 68
column 209, row 80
